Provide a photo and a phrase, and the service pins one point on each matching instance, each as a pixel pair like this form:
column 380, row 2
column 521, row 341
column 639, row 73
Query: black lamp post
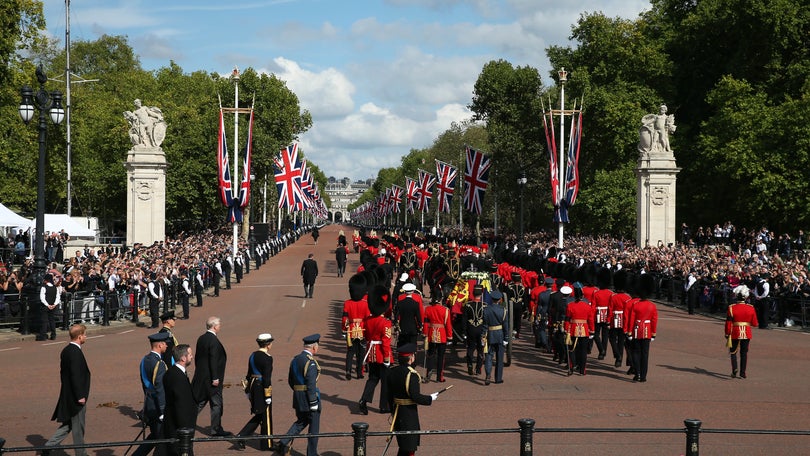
column 521, row 181
column 50, row 103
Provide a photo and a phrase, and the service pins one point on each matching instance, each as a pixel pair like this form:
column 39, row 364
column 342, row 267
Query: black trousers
column 475, row 351
column 264, row 422
column 47, row 323
column 377, row 372
column 616, row 337
column 600, row 338
column 640, row 350
column 578, row 354
column 739, row 346
column 435, row 359
column 356, row 353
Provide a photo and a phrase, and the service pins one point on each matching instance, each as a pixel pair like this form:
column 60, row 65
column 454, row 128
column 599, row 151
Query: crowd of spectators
column 120, row 274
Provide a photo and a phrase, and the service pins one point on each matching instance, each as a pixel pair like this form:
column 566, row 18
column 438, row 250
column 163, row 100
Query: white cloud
column 326, row 94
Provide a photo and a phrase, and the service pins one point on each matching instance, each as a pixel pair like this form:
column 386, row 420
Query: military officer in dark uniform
column 260, row 392
column 152, row 370
column 517, row 294
column 403, row 398
column 496, row 322
column 473, row 330
column 303, row 378
column 407, row 261
column 169, row 321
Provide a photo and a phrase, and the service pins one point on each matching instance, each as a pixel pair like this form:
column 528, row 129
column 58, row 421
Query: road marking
column 303, row 303
column 51, row 343
column 8, row 349
column 96, row 337
column 128, row 331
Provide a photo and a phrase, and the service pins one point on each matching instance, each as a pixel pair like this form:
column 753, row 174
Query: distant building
column 344, row 192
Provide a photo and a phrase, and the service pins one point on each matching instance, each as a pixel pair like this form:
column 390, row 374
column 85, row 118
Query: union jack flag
column 476, row 180
column 288, row 178
column 551, row 145
column 425, row 190
column 410, row 194
column 445, row 185
column 572, row 167
column 223, row 166
column 396, row 197
column 244, row 189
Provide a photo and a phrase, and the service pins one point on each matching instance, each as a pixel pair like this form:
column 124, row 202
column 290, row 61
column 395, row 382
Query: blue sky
column 380, row 77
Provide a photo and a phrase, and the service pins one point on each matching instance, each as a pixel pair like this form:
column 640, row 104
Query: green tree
column 508, row 99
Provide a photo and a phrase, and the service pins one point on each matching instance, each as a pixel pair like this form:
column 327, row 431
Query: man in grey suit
column 210, row 374
column 71, row 407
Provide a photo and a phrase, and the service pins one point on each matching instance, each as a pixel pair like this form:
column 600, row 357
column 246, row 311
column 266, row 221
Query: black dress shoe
column 363, row 408
column 618, row 363
column 742, row 375
column 486, row 381
column 631, row 371
column 734, row 373
column 53, row 336
column 385, row 411
column 42, row 338
column 222, row 433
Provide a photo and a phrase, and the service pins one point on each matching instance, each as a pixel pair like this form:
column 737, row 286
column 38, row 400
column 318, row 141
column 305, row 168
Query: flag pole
column 235, row 180
column 561, row 186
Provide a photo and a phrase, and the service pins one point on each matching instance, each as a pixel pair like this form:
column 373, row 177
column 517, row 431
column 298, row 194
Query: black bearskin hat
column 379, row 300
column 358, row 287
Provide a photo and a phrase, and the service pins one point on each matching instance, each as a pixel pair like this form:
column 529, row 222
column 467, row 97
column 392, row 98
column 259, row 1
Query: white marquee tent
column 9, row 218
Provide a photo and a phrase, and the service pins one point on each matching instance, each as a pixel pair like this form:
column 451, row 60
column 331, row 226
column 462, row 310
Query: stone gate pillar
column 656, row 181
column 146, row 176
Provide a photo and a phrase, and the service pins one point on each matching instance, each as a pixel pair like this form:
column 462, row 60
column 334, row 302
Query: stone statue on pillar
column 656, row 181
column 146, row 175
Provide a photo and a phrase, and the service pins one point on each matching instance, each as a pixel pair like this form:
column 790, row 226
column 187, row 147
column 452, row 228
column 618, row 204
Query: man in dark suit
column 71, row 407
column 210, row 373
column 181, row 408
column 309, row 271
column 302, row 378
column 152, row 370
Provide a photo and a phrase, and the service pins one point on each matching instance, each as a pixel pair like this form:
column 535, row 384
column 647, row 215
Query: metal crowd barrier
column 185, row 440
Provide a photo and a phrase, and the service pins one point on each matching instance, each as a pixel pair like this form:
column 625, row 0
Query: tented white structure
column 9, row 218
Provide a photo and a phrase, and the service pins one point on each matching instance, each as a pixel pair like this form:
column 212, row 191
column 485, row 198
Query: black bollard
column 185, row 447
column 692, row 437
column 526, row 431
column 359, row 430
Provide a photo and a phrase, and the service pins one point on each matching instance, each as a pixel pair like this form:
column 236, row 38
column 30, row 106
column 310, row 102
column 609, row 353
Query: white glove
column 434, row 396
column 387, row 364
column 629, row 337
column 505, row 343
column 314, row 408
column 653, row 338
column 268, row 400
column 160, row 418
column 590, row 337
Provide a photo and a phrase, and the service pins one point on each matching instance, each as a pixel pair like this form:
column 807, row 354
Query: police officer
column 155, row 294
column 260, row 392
column 152, row 370
column 185, row 292
column 50, row 300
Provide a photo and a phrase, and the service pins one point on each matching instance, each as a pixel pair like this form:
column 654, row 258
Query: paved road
column 689, row 378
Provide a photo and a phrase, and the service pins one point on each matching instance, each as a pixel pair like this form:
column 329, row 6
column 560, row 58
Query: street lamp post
column 50, row 103
column 521, row 181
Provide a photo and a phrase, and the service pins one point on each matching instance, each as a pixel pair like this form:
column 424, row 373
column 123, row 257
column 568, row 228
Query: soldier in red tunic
column 355, row 311
column 616, row 311
column 641, row 326
column 438, row 329
column 378, row 355
column 740, row 319
column 579, row 328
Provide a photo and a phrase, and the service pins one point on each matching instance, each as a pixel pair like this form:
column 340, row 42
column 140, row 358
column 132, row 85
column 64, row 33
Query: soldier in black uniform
column 518, row 296
column 403, row 398
column 473, row 330
column 260, row 393
column 407, row 261
column 152, row 370
column 409, row 315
